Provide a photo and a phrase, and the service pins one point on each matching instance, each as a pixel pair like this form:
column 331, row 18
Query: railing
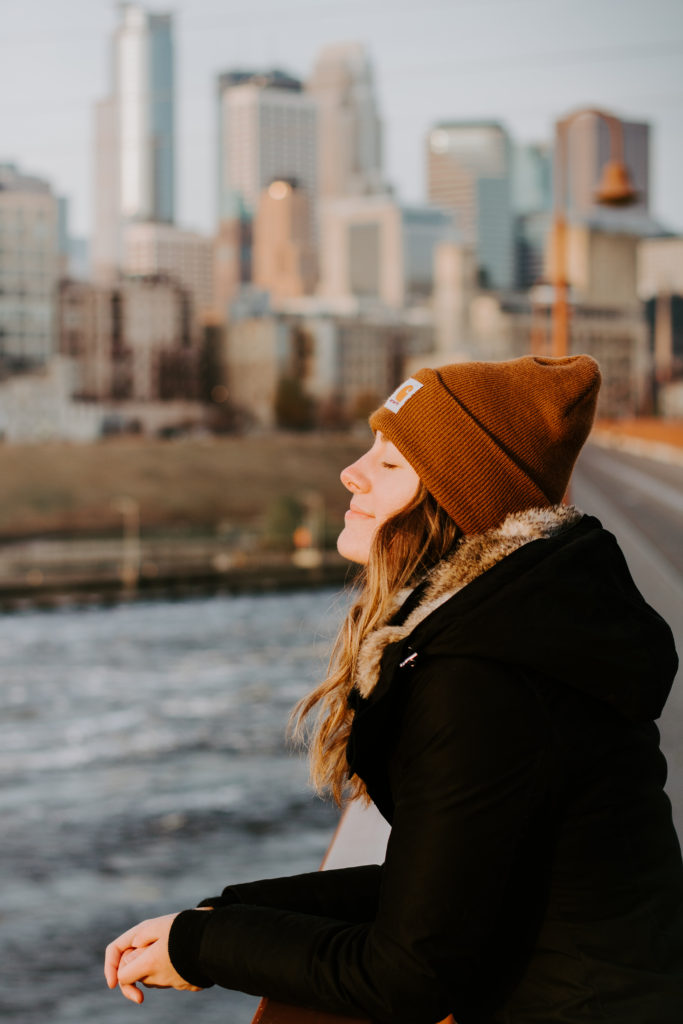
column 361, row 838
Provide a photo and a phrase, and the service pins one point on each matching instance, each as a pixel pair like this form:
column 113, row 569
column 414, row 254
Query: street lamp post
column 615, row 190
column 130, row 563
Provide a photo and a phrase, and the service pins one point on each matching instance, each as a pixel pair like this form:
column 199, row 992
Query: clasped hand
column 140, row 955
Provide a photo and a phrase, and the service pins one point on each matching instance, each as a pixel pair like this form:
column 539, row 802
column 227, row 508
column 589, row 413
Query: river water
column 143, row 766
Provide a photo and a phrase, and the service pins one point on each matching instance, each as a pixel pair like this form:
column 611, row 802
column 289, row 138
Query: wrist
column 184, row 946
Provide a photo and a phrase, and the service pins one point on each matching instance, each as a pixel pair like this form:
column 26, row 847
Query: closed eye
column 389, row 465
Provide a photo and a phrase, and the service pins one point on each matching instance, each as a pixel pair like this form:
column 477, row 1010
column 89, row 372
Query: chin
column 353, row 548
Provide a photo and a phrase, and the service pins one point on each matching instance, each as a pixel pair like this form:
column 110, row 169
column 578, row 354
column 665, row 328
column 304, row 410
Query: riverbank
column 208, row 484
column 57, row 574
column 138, row 518
column 133, row 517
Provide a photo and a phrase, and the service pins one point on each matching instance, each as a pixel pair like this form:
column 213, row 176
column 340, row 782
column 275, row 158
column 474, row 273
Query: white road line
column 664, row 494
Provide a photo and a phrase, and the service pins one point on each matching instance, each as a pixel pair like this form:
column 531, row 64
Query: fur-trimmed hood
column 473, row 555
column 569, row 608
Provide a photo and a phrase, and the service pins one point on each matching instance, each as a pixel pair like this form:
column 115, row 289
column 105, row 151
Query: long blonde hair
column 404, row 548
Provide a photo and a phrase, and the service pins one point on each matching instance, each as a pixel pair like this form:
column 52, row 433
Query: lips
column 355, row 511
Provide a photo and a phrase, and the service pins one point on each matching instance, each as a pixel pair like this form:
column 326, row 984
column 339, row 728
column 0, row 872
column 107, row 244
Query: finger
column 133, row 993
column 139, row 935
column 130, row 955
column 111, row 963
column 136, row 965
column 113, row 953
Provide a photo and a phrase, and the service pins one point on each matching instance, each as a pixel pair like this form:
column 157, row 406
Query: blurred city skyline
column 435, row 61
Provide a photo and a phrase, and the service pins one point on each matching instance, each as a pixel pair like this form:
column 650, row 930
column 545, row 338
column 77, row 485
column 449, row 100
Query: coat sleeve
column 351, row 894
column 466, row 781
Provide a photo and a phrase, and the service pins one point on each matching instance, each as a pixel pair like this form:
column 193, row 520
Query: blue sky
column 524, row 62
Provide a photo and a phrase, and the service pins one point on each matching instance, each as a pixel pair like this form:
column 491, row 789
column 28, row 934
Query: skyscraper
column 266, row 131
column 29, row 269
column 533, row 203
column 349, row 126
column 379, row 251
column 134, row 133
column 469, row 171
column 283, row 258
column 532, row 177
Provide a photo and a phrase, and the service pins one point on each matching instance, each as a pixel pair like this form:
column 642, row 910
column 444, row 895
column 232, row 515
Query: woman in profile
column 493, row 689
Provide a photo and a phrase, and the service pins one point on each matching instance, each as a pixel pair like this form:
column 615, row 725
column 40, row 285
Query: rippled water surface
column 142, row 767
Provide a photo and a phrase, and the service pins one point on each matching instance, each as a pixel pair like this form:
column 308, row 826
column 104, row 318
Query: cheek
column 400, row 496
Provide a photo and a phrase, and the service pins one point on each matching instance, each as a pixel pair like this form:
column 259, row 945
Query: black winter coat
column 504, row 727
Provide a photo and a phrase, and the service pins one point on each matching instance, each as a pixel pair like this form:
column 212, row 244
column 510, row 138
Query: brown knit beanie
column 487, row 439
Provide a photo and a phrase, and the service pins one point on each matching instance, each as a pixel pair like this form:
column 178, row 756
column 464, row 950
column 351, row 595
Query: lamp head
column 615, row 187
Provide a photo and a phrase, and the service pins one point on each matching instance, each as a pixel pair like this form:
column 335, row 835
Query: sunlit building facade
column 284, row 262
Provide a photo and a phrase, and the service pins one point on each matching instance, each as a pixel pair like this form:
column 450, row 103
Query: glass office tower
column 144, row 87
column 134, row 135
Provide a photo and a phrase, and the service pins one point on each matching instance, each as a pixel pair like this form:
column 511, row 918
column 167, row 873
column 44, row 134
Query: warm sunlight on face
column 381, row 482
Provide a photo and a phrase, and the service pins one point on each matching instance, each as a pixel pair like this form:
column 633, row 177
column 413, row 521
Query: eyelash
column 389, row 465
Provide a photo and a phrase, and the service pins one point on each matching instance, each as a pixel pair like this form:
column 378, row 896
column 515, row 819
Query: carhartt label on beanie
column 492, row 438
column 401, row 395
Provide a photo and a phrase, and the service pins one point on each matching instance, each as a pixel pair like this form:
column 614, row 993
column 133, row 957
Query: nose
column 354, row 479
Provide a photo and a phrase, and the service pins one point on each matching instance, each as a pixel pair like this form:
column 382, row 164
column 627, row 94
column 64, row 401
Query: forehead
column 387, row 445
